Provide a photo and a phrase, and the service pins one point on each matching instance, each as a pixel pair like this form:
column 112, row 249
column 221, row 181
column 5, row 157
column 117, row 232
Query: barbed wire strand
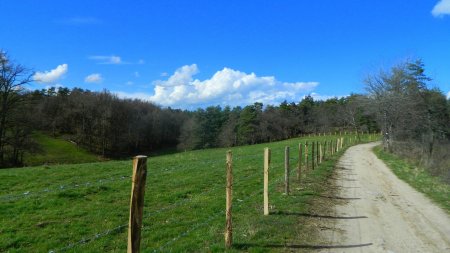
column 60, row 188
column 40, row 193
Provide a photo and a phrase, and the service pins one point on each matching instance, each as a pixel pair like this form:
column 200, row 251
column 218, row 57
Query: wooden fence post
column 299, row 168
column 313, row 158
column 320, row 152
column 325, row 150
column 286, row 170
column 342, row 142
column 330, row 147
column 137, row 203
column 266, row 180
column 317, row 153
column 229, row 199
column 306, row 155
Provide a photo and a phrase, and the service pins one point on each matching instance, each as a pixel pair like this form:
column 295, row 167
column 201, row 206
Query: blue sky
column 188, row 54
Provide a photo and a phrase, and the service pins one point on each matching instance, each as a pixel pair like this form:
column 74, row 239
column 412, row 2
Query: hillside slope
column 57, row 151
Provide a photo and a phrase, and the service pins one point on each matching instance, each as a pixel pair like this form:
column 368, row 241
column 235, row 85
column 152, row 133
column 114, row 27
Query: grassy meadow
column 85, row 207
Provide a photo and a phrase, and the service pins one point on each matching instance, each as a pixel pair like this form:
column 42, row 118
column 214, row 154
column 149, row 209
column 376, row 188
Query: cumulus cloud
column 51, row 76
column 102, row 59
column 441, row 8
column 93, row 78
column 134, row 95
column 317, row 96
column 226, row 87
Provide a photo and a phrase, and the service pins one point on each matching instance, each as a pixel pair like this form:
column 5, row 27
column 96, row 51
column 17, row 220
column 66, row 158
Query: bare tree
column 13, row 77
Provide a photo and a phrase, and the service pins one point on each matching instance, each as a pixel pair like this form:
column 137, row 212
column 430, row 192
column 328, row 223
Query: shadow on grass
column 245, row 246
column 319, row 216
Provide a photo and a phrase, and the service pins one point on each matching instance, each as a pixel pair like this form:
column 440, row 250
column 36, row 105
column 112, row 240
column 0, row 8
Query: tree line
column 114, row 127
column 227, row 127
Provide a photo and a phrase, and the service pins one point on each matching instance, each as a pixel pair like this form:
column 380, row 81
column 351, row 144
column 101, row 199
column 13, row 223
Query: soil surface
column 377, row 212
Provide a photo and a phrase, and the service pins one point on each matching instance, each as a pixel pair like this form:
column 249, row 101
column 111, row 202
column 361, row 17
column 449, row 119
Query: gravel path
column 381, row 213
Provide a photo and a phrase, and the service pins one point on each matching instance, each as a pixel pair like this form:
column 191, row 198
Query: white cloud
column 448, row 95
column 93, row 78
column 52, row 75
column 136, row 74
column 102, row 59
column 56, row 86
column 317, row 96
column 141, row 61
column 226, row 87
column 441, row 8
column 133, row 95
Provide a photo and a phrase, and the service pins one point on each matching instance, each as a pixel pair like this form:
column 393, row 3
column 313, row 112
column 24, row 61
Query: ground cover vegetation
column 85, row 207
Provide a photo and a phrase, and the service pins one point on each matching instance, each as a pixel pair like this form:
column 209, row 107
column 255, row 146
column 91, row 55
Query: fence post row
column 137, row 203
column 266, row 180
column 229, row 199
column 312, row 156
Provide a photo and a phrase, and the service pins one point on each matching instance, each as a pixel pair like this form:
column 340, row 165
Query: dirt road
column 381, row 213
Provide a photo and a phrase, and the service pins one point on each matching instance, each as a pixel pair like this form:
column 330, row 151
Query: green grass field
column 85, row 207
column 57, row 151
column 418, row 178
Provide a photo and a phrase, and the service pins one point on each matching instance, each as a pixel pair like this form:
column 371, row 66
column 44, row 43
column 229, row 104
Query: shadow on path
column 244, row 246
column 319, row 216
column 337, row 197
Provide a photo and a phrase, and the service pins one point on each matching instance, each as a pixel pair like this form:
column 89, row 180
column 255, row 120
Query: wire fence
column 98, row 182
column 208, row 220
column 150, row 214
column 63, row 187
column 212, row 217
